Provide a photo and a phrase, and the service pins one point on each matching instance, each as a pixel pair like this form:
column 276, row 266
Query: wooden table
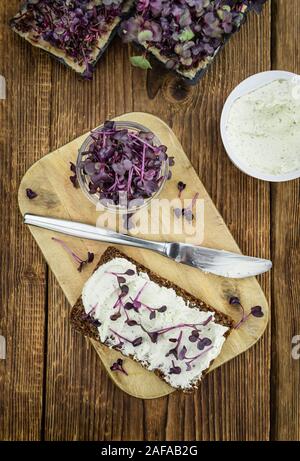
column 42, row 394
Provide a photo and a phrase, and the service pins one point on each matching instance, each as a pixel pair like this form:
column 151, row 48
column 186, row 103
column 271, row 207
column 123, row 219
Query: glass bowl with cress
column 122, row 166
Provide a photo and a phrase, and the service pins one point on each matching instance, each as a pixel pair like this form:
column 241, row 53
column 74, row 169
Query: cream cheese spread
column 263, row 128
column 151, row 323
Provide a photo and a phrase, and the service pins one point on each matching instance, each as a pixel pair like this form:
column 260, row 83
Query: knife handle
column 86, row 231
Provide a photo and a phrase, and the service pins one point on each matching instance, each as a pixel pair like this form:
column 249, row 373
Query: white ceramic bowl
column 248, row 85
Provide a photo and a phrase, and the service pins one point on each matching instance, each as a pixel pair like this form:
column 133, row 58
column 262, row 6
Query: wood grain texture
column 76, row 107
column 24, row 137
column 285, row 247
column 194, row 115
column 49, row 177
column 234, row 402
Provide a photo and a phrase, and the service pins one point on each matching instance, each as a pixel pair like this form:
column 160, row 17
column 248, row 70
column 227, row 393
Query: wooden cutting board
column 49, row 177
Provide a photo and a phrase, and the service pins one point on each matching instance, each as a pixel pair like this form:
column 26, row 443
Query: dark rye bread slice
column 192, row 77
column 83, row 324
column 61, row 56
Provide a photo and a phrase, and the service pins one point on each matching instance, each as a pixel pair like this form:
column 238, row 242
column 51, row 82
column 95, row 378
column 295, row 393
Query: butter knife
column 218, row 262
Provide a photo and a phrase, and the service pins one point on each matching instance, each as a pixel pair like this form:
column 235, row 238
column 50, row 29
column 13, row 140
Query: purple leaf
column 152, row 315
column 204, row 342
column 88, row 260
column 131, row 323
column 188, row 214
column 188, row 366
column 153, row 337
column 31, row 194
column 124, row 167
column 172, row 352
column 189, row 32
column 182, row 353
column 90, row 257
column 81, row 262
column 193, row 338
column 124, row 290
column 118, row 366
column 121, row 279
column 137, row 342
column 73, row 178
column 234, row 300
column 128, row 306
column 115, row 317
column 256, row 311
column 137, row 304
column 180, row 186
column 72, row 27
column 174, row 370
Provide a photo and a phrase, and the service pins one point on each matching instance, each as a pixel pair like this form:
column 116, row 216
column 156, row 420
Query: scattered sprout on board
column 255, row 311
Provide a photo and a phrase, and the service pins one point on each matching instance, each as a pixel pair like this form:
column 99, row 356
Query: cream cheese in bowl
column 260, row 126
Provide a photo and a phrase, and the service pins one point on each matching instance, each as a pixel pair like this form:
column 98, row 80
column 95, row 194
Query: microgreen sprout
column 174, row 370
column 136, row 304
column 81, row 262
column 255, row 311
column 31, row 194
column 74, row 26
column 118, row 366
column 124, row 168
column 178, row 351
column 136, row 342
column 201, row 342
column 174, row 350
column 184, row 32
column 180, row 186
column 89, row 316
column 155, row 334
column 187, row 212
column 190, row 360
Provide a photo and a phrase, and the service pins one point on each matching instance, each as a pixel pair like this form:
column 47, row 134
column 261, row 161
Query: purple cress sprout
column 255, row 311
column 123, row 168
column 185, row 33
column 81, row 262
column 118, row 366
column 74, row 27
column 31, row 194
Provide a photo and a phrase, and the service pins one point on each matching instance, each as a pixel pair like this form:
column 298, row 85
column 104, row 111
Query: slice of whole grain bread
column 86, row 325
column 60, row 55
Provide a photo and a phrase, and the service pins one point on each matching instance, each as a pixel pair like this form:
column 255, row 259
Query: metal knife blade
column 218, row 262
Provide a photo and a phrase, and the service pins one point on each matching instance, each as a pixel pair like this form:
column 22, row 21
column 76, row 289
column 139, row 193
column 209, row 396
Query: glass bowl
column 83, row 179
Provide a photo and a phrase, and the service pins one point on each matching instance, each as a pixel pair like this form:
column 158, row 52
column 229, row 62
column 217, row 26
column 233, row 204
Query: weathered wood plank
column 24, row 136
column 57, row 197
column 81, row 401
column 285, row 249
column 233, row 403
